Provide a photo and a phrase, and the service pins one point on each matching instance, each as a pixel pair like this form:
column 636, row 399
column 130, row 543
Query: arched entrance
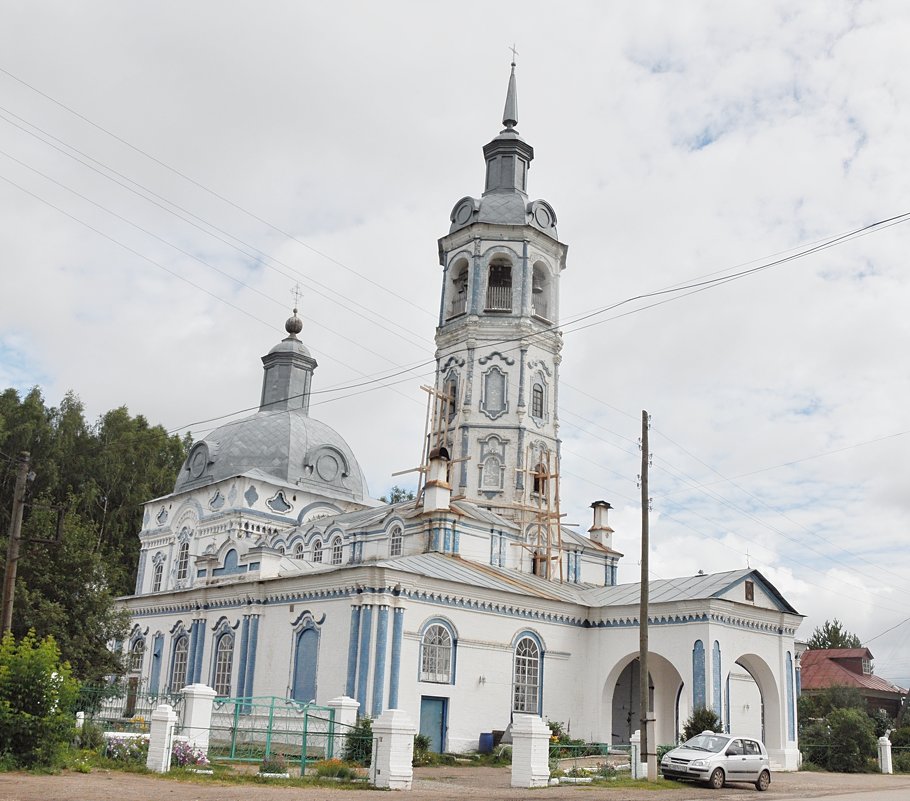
column 740, row 693
column 620, row 699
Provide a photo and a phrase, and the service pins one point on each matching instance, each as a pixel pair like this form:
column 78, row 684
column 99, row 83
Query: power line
column 211, row 192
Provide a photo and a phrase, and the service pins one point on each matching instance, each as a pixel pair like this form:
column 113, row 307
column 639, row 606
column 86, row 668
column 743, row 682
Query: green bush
column 900, row 761
column 37, row 693
column 358, row 747
column 852, row 740
column 900, row 738
column 815, row 743
column 701, row 720
column 422, row 745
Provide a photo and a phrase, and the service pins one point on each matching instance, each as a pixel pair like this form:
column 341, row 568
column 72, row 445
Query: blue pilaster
column 395, row 669
column 382, row 641
column 244, row 645
column 157, row 655
column 363, row 663
column 191, row 655
column 352, row 651
column 200, row 649
column 251, row 655
column 698, row 676
column 791, row 712
column 716, row 675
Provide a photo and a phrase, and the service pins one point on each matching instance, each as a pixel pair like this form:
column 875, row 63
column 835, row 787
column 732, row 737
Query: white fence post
column 197, row 715
column 345, row 718
column 884, row 755
column 161, row 735
column 530, row 752
column 639, row 771
column 393, row 750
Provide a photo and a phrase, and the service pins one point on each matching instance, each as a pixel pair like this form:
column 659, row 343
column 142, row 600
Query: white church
column 269, row 570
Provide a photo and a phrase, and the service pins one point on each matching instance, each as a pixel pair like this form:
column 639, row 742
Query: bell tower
column 497, row 343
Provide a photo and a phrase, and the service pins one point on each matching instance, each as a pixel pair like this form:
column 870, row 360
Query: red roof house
column 849, row 667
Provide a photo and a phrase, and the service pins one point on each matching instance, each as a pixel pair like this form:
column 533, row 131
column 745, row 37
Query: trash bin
column 486, row 743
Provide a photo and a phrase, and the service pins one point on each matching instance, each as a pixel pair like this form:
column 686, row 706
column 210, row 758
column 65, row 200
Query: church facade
column 270, row 571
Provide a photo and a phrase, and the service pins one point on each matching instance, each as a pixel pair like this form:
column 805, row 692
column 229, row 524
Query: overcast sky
column 170, row 170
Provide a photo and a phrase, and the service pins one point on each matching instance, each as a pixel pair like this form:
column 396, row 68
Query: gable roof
column 689, row 588
column 820, row 669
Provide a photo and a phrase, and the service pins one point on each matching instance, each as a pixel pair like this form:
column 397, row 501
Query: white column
column 197, row 715
column 80, row 720
column 161, row 733
column 393, row 750
column 884, row 755
column 345, row 719
column 530, row 752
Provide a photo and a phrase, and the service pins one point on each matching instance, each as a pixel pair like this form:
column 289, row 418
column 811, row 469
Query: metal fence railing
column 256, row 729
column 124, row 706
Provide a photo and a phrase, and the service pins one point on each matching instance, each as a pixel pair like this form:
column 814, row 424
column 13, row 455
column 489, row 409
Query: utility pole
column 12, row 550
column 644, row 684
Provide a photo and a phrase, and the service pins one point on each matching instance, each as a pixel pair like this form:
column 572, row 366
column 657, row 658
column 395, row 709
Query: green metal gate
column 253, row 729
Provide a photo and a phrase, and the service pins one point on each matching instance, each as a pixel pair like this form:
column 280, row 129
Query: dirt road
column 431, row 784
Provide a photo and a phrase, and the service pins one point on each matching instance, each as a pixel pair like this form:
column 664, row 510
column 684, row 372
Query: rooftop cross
column 297, row 292
column 514, row 53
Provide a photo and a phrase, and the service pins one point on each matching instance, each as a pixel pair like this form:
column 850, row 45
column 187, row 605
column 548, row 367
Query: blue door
column 306, row 659
column 433, row 721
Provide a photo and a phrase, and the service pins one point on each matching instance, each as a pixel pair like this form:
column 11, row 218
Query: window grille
column 436, row 655
column 527, row 677
column 224, row 663
column 317, row 551
column 499, row 287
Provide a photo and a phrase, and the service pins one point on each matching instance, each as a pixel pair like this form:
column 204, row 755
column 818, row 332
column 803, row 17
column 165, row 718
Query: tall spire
column 508, row 156
column 510, row 112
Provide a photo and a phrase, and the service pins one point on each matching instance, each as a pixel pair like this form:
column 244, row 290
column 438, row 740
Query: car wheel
column 717, row 779
column 764, row 781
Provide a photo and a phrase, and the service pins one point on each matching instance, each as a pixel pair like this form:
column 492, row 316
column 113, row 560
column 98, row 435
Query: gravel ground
column 431, row 784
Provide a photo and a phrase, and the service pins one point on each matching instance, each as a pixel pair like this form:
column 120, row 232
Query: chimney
column 600, row 532
column 437, row 492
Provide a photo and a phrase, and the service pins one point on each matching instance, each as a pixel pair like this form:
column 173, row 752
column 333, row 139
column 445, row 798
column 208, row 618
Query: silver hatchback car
column 719, row 758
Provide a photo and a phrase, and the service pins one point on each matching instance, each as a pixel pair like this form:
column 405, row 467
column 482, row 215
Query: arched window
column 137, row 651
column 499, row 286
column 298, row 550
column 540, row 292
column 183, row 561
column 179, row 663
column 451, row 392
column 224, row 663
column 537, row 401
column 395, row 541
column 458, row 303
column 540, row 476
column 436, row 655
column 157, row 576
column 526, row 693
column 337, row 551
column 317, row 551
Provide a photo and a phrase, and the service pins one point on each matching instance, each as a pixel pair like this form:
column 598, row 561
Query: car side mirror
column 731, row 752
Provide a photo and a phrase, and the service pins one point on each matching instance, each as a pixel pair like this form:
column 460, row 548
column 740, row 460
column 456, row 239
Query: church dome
column 281, row 440
column 287, row 445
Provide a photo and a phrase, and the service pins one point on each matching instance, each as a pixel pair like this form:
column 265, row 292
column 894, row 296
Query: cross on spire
column 297, row 292
column 514, row 53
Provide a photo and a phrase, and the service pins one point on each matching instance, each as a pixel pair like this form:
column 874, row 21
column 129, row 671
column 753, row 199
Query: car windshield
column 707, row 742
